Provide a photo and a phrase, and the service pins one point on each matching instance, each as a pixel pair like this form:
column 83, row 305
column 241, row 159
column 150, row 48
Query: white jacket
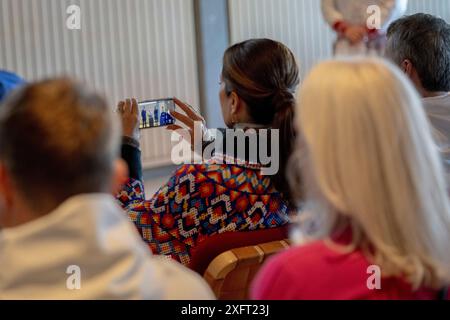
column 438, row 112
column 355, row 11
column 88, row 241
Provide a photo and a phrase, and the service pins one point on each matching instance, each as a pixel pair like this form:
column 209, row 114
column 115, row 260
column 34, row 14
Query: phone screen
column 156, row 113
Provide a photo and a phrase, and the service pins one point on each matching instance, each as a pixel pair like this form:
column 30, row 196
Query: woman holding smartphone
column 258, row 82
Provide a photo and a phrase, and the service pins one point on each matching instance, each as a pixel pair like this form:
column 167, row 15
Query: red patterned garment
column 200, row 201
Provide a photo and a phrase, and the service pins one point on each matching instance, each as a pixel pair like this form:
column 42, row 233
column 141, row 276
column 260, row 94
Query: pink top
column 318, row 272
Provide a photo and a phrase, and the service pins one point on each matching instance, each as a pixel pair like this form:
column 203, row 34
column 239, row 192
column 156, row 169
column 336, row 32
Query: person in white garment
column 361, row 25
column 63, row 236
column 420, row 45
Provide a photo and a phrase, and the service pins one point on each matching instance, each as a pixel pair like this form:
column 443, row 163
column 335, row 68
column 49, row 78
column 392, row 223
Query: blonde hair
column 370, row 160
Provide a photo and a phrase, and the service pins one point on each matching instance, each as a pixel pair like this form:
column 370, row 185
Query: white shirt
column 359, row 13
column 438, row 112
column 355, row 12
column 92, row 233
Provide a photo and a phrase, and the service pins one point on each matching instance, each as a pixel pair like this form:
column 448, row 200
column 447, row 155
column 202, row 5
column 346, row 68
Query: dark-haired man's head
column 57, row 140
column 420, row 45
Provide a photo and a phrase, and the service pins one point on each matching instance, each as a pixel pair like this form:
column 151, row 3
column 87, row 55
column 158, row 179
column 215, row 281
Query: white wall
column 299, row 24
column 147, row 48
column 140, row 48
column 439, row 8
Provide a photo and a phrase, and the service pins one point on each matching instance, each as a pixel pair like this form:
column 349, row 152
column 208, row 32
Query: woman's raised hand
column 129, row 114
column 188, row 119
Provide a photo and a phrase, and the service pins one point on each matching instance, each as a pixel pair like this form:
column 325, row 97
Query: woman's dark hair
column 265, row 74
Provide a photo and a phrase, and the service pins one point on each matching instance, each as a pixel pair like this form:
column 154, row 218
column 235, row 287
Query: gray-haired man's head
column 421, row 43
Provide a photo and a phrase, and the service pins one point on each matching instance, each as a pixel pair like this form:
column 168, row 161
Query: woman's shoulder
column 310, row 271
column 319, row 257
column 321, row 271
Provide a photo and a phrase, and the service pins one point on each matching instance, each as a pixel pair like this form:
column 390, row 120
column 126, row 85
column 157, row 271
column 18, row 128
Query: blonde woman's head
column 369, row 158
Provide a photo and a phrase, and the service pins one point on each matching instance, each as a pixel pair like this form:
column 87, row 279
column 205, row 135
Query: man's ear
column 407, row 67
column 120, row 176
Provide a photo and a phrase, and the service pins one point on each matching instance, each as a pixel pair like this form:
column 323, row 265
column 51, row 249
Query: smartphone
column 156, row 113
